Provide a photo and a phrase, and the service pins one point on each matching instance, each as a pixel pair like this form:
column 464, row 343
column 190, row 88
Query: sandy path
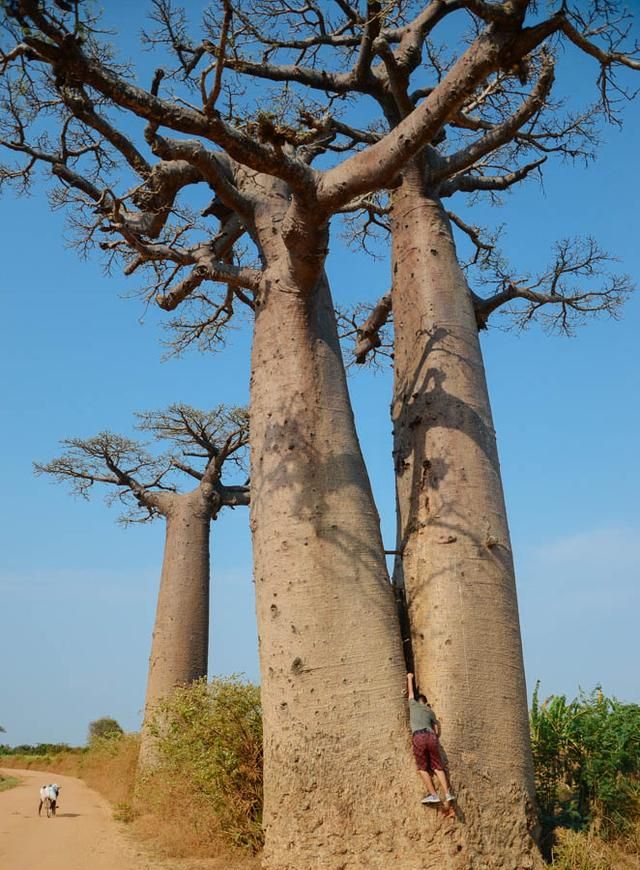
column 82, row 836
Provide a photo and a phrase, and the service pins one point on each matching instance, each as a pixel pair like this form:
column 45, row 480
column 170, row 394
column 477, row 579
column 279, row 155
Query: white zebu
column 49, row 798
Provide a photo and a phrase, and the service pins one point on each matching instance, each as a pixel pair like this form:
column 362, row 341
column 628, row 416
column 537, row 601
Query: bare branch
column 212, row 166
column 111, row 459
column 143, row 481
column 489, row 12
column 377, row 165
column 483, row 248
column 79, row 103
column 370, row 33
column 561, row 296
column 369, row 332
column 469, row 182
column 235, row 496
column 212, row 99
column 64, row 51
column 605, row 58
column 501, row 133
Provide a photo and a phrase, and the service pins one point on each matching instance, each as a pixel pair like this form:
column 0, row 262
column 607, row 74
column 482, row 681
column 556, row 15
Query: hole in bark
column 297, row 666
column 434, row 252
column 274, row 610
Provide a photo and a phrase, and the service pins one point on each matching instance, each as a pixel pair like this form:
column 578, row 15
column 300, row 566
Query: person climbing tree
column 425, row 730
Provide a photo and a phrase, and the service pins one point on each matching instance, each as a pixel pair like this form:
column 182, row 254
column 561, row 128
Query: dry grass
column 583, row 850
column 180, row 822
column 109, row 767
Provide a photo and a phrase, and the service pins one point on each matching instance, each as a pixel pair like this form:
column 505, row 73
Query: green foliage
column 587, row 761
column 210, row 735
column 105, row 728
column 40, row 749
column 7, row 782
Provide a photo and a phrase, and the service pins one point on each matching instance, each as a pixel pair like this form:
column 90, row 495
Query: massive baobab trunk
column 340, row 789
column 179, row 649
column 454, row 538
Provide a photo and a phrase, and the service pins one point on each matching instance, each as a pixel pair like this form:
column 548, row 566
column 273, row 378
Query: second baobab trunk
column 180, row 644
column 454, row 539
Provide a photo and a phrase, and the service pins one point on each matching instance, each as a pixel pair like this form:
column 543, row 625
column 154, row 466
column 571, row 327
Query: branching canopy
column 156, row 176
column 198, row 444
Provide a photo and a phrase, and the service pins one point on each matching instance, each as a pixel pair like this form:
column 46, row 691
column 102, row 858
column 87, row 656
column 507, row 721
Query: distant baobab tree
column 203, row 446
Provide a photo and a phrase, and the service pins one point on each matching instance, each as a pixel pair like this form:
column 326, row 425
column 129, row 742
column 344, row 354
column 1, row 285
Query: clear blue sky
column 77, row 591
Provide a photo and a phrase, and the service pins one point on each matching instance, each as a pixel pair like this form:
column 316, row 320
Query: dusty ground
column 82, row 836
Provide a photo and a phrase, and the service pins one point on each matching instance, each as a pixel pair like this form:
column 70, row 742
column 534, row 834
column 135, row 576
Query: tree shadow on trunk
column 426, row 400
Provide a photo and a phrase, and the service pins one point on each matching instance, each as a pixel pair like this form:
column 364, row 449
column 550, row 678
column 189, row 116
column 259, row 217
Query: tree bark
column 340, row 788
column 179, row 649
column 456, row 558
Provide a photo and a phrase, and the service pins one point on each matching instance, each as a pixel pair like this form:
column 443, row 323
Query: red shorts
column 426, row 750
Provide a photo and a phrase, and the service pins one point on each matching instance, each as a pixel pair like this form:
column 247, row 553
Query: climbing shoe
column 431, row 799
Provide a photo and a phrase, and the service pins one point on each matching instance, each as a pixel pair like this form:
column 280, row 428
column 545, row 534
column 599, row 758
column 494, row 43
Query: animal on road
column 49, row 799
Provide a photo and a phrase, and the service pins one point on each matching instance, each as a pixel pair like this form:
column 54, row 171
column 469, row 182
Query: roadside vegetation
column 204, row 796
column 7, row 782
column 587, row 763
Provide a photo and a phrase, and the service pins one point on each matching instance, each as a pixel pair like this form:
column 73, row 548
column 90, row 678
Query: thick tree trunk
column 340, row 787
column 456, row 553
column 179, row 649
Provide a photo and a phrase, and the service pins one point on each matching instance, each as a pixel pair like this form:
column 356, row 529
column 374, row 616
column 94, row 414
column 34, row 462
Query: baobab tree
column 203, row 446
column 332, row 667
column 453, row 552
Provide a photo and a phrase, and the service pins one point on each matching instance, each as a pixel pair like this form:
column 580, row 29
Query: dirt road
column 82, row 836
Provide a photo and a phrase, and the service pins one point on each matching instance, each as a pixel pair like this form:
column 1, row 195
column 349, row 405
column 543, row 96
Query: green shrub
column 587, row 762
column 210, row 746
column 105, row 728
column 7, row 782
